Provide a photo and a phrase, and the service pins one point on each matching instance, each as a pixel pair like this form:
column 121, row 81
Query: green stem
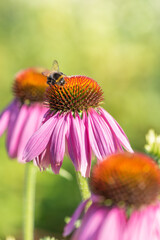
column 83, row 186
column 29, row 200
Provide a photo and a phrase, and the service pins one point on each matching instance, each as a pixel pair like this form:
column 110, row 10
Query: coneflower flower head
column 127, row 179
column 24, row 114
column 29, row 86
column 76, row 124
column 125, row 201
column 78, row 94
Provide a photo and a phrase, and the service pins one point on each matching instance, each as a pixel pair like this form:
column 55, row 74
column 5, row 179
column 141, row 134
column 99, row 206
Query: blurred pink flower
column 121, row 182
column 75, row 124
column 99, row 222
column 144, row 224
column 24, row 114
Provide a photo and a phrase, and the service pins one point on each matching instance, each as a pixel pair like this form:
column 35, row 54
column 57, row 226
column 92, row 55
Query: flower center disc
column 77, row 94
column 30, row 85
column 126, row 178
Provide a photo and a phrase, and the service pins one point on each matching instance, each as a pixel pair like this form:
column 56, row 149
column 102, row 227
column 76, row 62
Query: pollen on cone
column 77, row 94
column 30, row 85
column 128, row 178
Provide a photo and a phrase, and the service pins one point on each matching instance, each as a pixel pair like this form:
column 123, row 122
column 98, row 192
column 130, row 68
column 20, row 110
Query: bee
column 55, row 76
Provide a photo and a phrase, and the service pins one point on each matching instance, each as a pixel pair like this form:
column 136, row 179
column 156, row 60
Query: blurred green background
column 116, row 43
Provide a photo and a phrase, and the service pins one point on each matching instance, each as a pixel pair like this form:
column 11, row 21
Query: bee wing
column 46, row 73
column 55, row 66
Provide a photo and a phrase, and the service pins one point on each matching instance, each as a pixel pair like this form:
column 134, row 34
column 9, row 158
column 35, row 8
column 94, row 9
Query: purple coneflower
column 76, row 124
column 24, row 114
column 125, row 203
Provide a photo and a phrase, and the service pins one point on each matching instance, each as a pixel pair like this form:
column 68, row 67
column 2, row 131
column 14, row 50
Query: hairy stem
column 83, row 186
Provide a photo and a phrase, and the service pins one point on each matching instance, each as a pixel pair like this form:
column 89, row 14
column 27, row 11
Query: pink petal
column 100, row 136
column 57, row 148
column 71, row 225
column 144, row 224
column 42, row 112
column 39, row 140
column 117, row 144
column 44, row 159
column 91, row 223
column 156, row 224
column 17, row 121
column 113, row 225
column 87, row 146
column 76, row 144
column 5, row 116
column 32, row 123
column 117, row 130
column 47, row 115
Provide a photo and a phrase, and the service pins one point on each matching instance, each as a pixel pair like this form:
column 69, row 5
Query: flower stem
column 29, row 200
column 83, row 186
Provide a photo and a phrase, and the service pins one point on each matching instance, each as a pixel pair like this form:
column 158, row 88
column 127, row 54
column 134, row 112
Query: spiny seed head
column 29, row 85
column 77, row 94
column 130, row 179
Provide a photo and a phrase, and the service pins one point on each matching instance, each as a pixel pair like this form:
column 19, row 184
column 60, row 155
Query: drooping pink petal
column 44, row 159
column 5, row 116
column 39, row 140
column 113, row 225
column 47, row 115
column 117, row 144
column 133, row 229
column 117, row 130
column 76, row 144
column 156, row 224
column 57, row 147
column 41, row 112
column 17, row 122
column 100, row 136
column 31, row 125
column 91, row 223
column 12, row 120
column 73, row 141
column 87, row 146
column 71, row 225
column 144, row 224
